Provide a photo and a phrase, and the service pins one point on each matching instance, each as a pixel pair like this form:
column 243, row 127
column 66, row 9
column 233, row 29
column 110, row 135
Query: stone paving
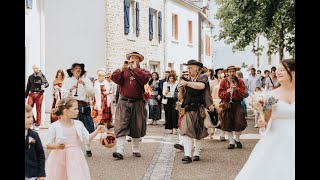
column 161, row 161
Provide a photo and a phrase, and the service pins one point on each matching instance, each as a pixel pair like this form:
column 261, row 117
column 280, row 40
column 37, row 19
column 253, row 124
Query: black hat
column 74, row 65
column 216, row 72
column 135, row 54
column 194, row 62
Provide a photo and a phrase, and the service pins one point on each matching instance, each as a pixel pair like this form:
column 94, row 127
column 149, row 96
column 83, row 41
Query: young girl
column 34, row 154
column 66, row 161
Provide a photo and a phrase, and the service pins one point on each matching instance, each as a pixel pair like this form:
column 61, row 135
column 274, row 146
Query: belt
column 130, row 100
column 36, row 92
column 82, row 102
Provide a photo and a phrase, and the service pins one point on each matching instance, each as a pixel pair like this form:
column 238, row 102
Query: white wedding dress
column 273, row 157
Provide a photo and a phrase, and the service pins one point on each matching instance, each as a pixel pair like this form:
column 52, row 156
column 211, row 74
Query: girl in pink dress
column 66, row 160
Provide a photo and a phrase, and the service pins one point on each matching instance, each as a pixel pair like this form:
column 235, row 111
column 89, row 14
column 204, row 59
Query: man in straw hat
column 232, row 91
column 80, row 88
column 195, row 93
column 131, row 113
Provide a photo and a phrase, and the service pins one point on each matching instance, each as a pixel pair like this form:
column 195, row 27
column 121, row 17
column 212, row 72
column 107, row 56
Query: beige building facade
column 135, row 25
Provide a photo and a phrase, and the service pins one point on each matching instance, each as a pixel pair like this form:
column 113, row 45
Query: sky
column 223, row 55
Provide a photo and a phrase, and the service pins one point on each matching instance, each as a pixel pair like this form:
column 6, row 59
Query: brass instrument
column 127, row 62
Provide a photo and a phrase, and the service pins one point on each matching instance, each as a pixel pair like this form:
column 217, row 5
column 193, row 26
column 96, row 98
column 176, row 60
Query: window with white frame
column 155, row 24
column 175, row 26
column 190, row 32
column 132, row 17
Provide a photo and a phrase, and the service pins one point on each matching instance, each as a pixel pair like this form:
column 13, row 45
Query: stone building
column 134, row 25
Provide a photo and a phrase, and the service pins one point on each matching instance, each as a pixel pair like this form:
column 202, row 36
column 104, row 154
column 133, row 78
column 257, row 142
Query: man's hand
column 80, row 81
column 133, row 65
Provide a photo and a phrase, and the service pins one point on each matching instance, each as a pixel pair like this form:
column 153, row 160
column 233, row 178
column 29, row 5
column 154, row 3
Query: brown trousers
column 130, row 119
column 233, row 119
column 36, row 98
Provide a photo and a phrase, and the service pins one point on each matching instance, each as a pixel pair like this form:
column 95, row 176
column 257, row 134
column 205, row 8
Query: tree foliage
column 241, row 21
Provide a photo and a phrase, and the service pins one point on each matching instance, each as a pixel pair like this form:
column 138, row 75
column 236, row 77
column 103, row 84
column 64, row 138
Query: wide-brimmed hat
column 135, row 54
column 216, row 72
column 194, row 62
column 231, row 67
column 74, row 65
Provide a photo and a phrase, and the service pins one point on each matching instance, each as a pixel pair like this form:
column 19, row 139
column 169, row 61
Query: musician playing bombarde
column 195, row 92
column 80, row 88
column 232, row 91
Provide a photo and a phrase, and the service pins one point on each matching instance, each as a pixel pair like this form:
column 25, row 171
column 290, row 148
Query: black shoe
column 196, row 158
column 187, row 159
column 130, row 139
column 117, row 155
column 239, row 145
column 178, row 146
column 89, row 154
column 136, row 154
column 231, row 146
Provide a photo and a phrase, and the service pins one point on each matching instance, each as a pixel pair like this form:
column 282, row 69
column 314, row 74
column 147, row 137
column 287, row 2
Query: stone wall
column 118, row 44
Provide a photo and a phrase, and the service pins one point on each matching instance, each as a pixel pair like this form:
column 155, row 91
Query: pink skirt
column 67, row 164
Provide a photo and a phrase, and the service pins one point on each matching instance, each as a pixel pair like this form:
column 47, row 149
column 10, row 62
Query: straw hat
column 231, row 67
column 135, row 54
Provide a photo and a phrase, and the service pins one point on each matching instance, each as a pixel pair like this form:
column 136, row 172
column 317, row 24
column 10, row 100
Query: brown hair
column 27, row 108
column 172, row 74
column 65, row 103
column 289, row 65
column 62, row 73
column 211, row 74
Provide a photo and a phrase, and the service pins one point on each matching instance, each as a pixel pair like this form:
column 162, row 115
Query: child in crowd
column 34, row 163
column 66, row 160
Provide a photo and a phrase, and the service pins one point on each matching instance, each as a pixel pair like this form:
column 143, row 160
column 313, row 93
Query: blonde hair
column 27, row 108
column 101, row 73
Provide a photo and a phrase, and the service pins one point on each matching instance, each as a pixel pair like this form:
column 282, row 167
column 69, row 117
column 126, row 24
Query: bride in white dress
column 273, row 157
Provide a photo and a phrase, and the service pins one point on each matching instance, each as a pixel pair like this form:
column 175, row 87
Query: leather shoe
column 222, row 138
column 231, row 146
column 178, row 146
column 136, row 154
column 89, row 153
column 239, row 145
column 196, row 158
column 187, row 159
column 117, row 155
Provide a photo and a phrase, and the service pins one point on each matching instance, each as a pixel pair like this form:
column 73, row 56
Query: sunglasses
column 108, row 77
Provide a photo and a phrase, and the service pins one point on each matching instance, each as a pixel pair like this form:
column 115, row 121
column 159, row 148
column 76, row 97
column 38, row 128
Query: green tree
column 242, row 21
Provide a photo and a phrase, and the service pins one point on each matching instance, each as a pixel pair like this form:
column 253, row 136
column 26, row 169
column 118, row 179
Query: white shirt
column 253, row 82
column 172, row 88
column 84, row 91
column 97, row 93
column 55, row 133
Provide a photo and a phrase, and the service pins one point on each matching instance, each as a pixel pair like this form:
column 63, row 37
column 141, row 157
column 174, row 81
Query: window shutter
column 150, row 23
column 160, row 25
column 126, row 16
column 137, row 20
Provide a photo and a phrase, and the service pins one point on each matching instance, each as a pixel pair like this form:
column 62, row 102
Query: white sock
column 187, row 144
column 120, row 144
column 197, row 146
column 135, row 145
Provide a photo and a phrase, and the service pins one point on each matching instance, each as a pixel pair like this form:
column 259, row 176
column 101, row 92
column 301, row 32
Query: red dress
column 53, row 118
column 105, row 116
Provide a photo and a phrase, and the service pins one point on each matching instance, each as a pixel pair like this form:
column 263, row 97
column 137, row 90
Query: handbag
column 164, row 100
column 224, row 105
column 211, row 120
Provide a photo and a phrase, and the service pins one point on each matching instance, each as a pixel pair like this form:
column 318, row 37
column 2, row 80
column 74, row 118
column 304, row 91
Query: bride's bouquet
column 261, row 101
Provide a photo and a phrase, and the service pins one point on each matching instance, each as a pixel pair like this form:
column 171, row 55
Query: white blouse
column 55, row 134
column 172, row 88
column 97, row 93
